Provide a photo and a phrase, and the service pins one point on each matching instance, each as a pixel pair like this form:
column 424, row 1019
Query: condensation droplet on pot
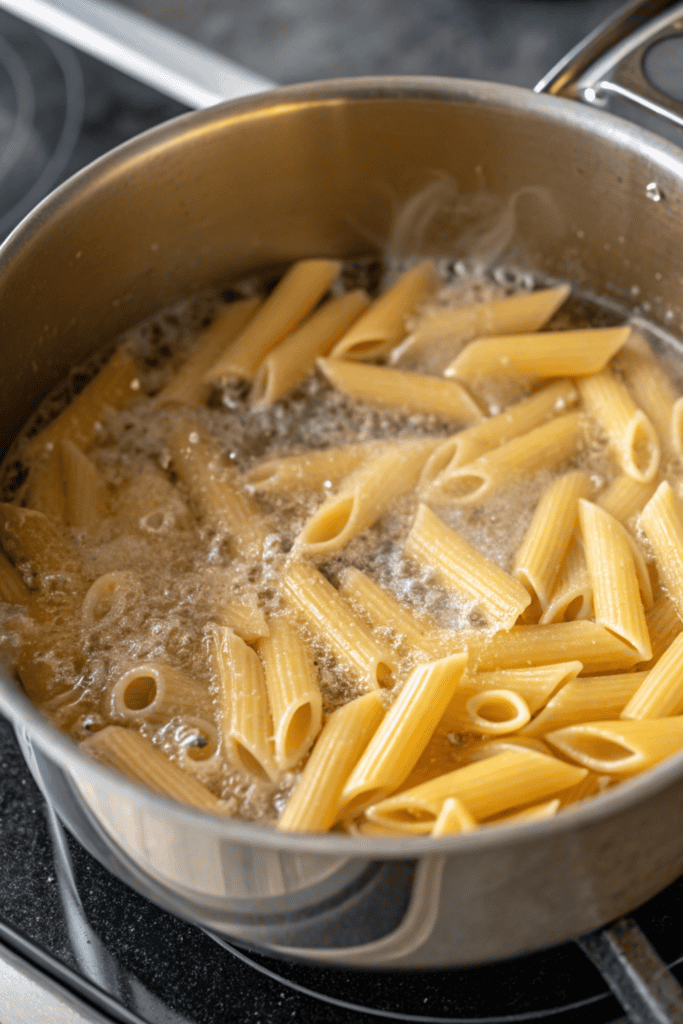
column 621, row 239
column 658, row 276
column 653, row 192
column 669, row 315
column 193, row 438
column 580, row 233
column 635, row 290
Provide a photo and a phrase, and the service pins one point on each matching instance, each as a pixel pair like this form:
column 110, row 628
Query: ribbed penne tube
column 490, row 712
column 382, row 610
column 384, row 323
column 460, row 567
column 550, row 354
column 539, row 812
column 662, row 524
column 288, row 364
column 572, row 597
column 31, row 540
column 619, row 748
column 335, row 625
column 453, row 818
column 364, row 496
column 625, row 497
column 656, row 395
column 541, row 553
column 130, row 753
column 199, row 463
column 661, row 692
column 239, row 612
column 114, row 385
column 187, row 386
column 589, row 699
column 403, row 734
column 467, row 445
column 536, row 685
column 13, row 590
column 150, row 503
column 486, row 788
column 154, row 692
column 106, row 599
column 86, row 490
column 590, row 786
column 310, row 470
column 632, row 437
column 664, row 625
column 544, row 446
column 243, row 699
column 46, row 486
column 295, row 295
column 401, row 389
column 515, row 314
column 596, row 648
column 372, row 831
column 293, row 692
column 611, row 567
column 199, row 745
column 313, row 805
column 491, row 748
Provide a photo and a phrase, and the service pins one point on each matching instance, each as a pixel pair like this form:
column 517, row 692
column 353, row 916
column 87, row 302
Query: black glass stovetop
column 64, row 914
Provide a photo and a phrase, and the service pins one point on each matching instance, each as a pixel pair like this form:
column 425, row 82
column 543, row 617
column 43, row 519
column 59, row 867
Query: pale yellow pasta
column 46, row 486
column 632, row 437
column 334, row 624
column 596, row 648
column 240, row 612
column 187, row 386
column 313, row 805
column 625, row 497
column 382, row 610
column 655, row 393
column 288, row 364
column 150, row 503
column 552, row 354
column 460, row 567
column 81, row 421
column 108, row 596
column 662, row 524
column 620, row 748
column 384, row 323
column 514, row 314
column 486, row 788
column 664, row 625
column 199, row 463
column 541, row 553
column 128, row 752
column 86, row 490
column 572, row 597
column 490, row 748
column 293, row 692
column 310, row 470
column 400, row 389
column 589, row 699
column 34, row 543
column 364, row 496
column 539, row 812
column 453, row 818
column 542, row 447
column 661, row 693
column 295, row 295
column 592, row 785
column 535, row 685
column 611, row 567
column 13, row 590
column 244, row 713
column 467, row 445
column 154, row 692
column 403, row 734
column 490, row 712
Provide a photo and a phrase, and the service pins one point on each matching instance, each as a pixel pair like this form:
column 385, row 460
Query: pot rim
column 178, row 132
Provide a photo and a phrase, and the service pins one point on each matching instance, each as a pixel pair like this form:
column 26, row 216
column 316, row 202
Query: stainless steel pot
column 318, row 170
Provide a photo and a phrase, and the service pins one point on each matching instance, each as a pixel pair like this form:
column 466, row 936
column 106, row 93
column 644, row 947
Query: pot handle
column 634, row 56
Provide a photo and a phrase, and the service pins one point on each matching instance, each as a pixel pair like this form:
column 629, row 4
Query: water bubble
column 653, row 192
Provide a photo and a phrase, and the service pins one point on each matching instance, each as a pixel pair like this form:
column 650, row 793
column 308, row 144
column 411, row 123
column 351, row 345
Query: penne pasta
column 625, row 497
column 13, row 590
column 467, row 445
column 662, row 524
column 364, row 497
column 655, row 393
column 589, row 699
column 614, row 580
column 187, row 386
column 572, row 597
column 490, row 712
column 384, row 323
column 539, row 812
column 632, row 437
column 333, row 623
column 87, row 493
column 399, row 389
column 154, row 692
column 108, row 597
column 535, row 685
column 453, row 818
column 288, row 364
column 149, row 503
column 515, row 314
column 46, row 486
column 296, row 294
column 293, row 693
column 461, row 568
column 244, row 713
column 35, row 544
column 402, row 735
column 382, row 611
column 553, row 354
column 544, row 446
column 310, row 470
column 540, row 556
column 620, row 748
column 239, row 612
column 661, row 693
column 313, row 805
column 663, row 625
